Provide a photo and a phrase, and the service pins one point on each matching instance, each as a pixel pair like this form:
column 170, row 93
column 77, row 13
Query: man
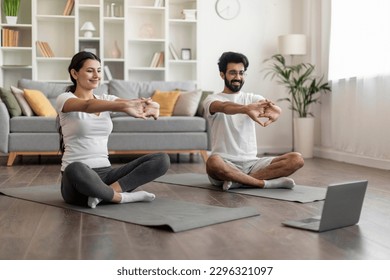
column 232, row 116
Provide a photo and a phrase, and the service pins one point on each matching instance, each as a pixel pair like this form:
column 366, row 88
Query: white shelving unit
column 127, row 35
column 146, row 36
column 182, row 35
column 16, row 61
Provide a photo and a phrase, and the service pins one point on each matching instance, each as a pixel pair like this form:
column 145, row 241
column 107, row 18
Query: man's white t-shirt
column 85, row 135
column 233, row 137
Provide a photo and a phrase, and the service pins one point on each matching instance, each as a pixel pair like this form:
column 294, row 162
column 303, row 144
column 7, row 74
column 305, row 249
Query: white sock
column 136, row 196
column 279, row 183
column 93, row 201
column 230, row 185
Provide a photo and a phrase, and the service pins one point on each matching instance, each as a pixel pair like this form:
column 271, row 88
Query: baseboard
column 331, row 154
column 351, row 158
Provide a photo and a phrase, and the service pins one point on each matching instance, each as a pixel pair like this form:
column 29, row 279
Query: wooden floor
column 35, row 231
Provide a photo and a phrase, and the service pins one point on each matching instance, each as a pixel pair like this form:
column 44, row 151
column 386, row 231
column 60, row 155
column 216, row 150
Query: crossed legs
column 273, row 175
column 83, row 186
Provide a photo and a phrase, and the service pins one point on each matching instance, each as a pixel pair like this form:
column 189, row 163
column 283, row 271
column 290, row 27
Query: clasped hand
column 264, row 109
column 143, row 108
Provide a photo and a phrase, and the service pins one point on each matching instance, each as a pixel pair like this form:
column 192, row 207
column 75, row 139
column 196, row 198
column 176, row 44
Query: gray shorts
column 246, row 167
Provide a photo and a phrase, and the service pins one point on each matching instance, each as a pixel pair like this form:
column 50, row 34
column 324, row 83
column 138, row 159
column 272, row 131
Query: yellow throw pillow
column 39, row 103
column 167, row 101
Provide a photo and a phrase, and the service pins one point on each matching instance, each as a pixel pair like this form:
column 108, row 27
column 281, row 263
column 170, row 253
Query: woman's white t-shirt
column 85, row 135
column 232, row 136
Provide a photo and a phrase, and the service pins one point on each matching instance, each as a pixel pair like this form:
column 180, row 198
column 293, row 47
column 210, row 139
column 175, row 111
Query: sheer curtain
column 355, row 117
column 360, row 39
column 361, row 116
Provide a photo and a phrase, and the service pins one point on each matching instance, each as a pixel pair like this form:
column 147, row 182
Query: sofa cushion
column 200, row 109
column 51, row 90
column 167, row 101
column 19, row 95
column 39, row 103
column 33, row 124
column 187, row 103
column 10, row 102
column 158, row 141
column 162, row 124
column 4, row 127
column 129, row 90
column 133, row 89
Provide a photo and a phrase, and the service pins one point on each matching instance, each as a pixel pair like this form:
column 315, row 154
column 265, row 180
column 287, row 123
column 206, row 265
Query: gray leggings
column 79, row 181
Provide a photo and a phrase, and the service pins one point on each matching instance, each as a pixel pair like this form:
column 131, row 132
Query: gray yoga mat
column 178, row 215
column 299, row 193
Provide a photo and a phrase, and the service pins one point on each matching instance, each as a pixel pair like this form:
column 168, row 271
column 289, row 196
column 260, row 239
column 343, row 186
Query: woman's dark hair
column 76, row 63
column 232, row 57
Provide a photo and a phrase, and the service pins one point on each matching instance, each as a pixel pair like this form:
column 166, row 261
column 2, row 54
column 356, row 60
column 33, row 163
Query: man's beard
column 234, row 88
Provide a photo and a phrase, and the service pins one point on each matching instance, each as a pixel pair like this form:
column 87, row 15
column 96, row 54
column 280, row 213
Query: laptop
column 342, row 208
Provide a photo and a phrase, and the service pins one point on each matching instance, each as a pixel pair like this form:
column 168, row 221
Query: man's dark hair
column 232, row 57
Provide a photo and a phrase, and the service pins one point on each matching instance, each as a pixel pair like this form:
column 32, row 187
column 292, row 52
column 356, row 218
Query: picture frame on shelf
column 186, row 54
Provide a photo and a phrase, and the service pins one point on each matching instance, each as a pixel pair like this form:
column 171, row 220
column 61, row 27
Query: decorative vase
column 11, row 19
column 304, row 136
column 116, row 51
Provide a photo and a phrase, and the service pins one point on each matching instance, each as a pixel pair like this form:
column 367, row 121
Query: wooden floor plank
column 57, row 235
column 17, row 228
column 34, row 231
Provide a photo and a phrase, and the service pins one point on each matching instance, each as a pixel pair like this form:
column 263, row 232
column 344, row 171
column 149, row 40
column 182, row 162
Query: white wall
column 254, row 32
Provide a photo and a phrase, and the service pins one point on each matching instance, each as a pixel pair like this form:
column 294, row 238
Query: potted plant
column 11, row 10
column 304, row 89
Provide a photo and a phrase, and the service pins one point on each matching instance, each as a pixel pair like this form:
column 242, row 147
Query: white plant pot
column 11, row 19
column 304, row 136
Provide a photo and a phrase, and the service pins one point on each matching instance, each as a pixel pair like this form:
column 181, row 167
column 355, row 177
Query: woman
column 84, row 126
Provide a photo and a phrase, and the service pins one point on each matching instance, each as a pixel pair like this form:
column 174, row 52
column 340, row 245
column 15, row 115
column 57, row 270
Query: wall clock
column 227, row 9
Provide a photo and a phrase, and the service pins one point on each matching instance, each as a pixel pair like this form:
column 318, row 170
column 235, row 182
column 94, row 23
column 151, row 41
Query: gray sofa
column 35, row 135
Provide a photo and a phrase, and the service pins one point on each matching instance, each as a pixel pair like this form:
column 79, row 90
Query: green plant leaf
column 302, row 86
column 11, row 7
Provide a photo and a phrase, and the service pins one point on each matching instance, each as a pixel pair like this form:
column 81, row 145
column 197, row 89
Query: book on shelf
column 160, row 62
column 9, row 38
column 48, row 49
column 157, row 60
column 153, row 62
column 107, row 71
column 173, row 51
column 40, row 48
column 68, row 7
column 45, row 49
column 159, row 3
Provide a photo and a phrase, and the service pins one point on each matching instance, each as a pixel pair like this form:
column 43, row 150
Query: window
column 360, row 39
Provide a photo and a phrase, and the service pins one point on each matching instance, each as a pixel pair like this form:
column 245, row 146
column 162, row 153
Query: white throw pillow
column 26, row 109
column 187, row 103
